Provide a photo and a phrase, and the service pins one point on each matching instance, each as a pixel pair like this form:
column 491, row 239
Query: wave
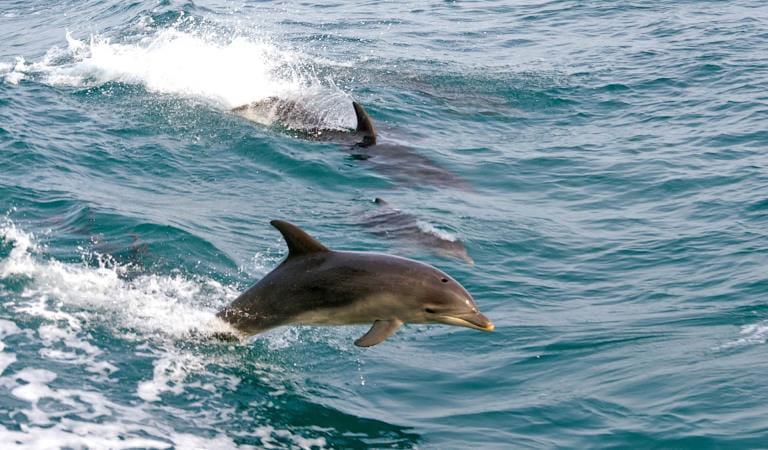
column 752, row 334
column 168, row 305
column 63, row 308
column 199, row 64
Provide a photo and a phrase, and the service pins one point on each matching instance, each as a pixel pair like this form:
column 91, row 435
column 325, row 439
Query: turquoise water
column 602, row 162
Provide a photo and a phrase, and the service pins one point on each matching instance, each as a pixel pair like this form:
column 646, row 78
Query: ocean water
column 603, row 162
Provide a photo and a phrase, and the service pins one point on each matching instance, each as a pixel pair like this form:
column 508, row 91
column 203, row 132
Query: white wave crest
column 752, row 334
column 224, row 72
column 433, row 230
column 176, row 62
column 171, row 305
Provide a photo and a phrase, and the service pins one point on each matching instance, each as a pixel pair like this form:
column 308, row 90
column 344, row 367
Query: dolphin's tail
column 364, row 125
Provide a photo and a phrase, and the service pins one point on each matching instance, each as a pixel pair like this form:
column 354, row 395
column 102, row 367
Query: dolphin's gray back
column 314, row 282
column 407, row 165
column 289, row 113
column 308, row 120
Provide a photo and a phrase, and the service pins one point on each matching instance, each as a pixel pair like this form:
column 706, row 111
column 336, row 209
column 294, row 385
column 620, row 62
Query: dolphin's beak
column 470, row 320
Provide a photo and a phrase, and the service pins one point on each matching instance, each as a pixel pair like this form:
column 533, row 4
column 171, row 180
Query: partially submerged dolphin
column 391, row 222
column 396, row 160
column 404, row 164
column 300, row 118
column 318, row 286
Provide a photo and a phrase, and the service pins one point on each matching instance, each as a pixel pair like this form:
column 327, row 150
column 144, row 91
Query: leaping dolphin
column 318, row 286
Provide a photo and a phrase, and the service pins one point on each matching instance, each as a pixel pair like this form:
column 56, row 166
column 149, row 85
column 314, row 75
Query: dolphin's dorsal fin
column 298, row 241
column 380, row 330
column 364, row 125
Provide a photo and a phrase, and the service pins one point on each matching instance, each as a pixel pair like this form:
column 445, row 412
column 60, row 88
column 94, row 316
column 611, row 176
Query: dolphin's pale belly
column 361, row 311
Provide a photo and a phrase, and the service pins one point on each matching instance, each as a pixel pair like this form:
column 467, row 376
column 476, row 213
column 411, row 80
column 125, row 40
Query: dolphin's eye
column 444, row 280
column 430, row 310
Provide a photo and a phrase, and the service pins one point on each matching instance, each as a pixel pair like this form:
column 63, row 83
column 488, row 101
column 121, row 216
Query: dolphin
column 405, row 165
column 363, row 144
column 318, row 286
column 302, row 119
column 389, row 221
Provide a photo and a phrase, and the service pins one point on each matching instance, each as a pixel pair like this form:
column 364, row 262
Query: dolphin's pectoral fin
column 299, row 242
column 380, row 330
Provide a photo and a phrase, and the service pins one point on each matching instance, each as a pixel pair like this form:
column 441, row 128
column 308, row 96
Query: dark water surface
column 603, row 162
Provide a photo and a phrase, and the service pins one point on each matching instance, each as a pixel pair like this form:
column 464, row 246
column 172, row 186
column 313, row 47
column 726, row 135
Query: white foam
column 224, row 72
column 168, row 376
column 17, row 72
column 6, row 359
column 20, row 260
column 7, row 328
column 71, row 298
column 752, row 334
column 756, row 333
column 76, row 349
column 181, row 63
column 21, row 69
column 5, row 68
column 101, row 423
column 431, row 229
column 52, row 334
column 35, row 386
column 161, row 304
column 268, row 433
column 229, row 72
